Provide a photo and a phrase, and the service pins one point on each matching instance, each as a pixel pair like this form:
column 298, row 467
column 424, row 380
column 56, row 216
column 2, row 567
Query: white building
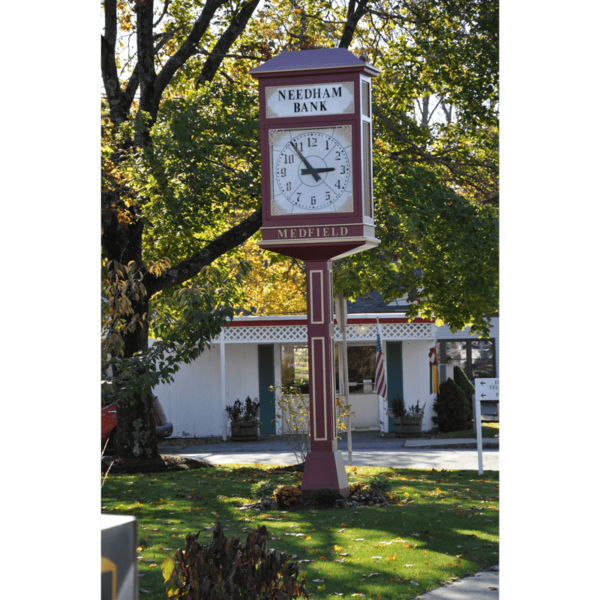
column 255, row 353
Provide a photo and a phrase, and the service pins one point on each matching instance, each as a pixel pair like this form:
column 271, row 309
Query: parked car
column 109, row 423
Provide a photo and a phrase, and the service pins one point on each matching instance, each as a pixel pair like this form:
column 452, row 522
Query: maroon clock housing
column 317, row 194
column 316, row 142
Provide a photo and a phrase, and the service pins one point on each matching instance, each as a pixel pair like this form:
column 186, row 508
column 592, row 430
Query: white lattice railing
column 298, row 333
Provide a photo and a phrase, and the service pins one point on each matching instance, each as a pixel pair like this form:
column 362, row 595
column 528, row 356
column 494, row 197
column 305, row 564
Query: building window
column 361, row 369
column 294, row 366
column 477, row 358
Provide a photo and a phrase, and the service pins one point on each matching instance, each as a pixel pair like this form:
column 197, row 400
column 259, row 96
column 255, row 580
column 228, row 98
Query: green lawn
column 488, row 430
column 447, row 527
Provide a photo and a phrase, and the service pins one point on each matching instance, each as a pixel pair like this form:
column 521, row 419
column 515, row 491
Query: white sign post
column 485, row 389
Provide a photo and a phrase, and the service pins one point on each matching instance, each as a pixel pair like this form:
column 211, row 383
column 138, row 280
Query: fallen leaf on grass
column 360, row 594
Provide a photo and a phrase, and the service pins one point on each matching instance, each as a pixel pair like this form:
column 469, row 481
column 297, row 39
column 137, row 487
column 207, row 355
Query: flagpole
column 381, row 381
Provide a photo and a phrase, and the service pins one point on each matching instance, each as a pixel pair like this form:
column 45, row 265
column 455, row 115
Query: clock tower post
column 317, row 200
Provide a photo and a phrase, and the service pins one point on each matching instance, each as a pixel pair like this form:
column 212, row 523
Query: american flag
column 380, row 383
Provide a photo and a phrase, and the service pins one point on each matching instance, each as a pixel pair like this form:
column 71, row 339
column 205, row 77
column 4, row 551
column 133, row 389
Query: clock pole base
column 324, row 470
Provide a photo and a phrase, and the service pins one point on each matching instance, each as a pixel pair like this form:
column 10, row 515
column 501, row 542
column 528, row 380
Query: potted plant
column 398, row 410
column 408, row 421
column 244, row 420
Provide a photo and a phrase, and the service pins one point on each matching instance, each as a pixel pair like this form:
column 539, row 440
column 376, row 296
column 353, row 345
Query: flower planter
column 244, row 432
column 410, row 428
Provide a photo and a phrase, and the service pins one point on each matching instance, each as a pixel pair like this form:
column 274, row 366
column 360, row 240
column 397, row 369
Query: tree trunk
column 136, row 427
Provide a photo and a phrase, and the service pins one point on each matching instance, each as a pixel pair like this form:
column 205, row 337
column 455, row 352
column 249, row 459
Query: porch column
column 223, row 380
column 324, row 467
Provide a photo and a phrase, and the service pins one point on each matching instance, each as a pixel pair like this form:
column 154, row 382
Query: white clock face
column 311, row 170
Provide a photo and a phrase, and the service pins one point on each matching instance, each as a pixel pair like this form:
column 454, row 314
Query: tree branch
column 183, row 53
column 229, row 36
column 354, row 16
column 164, row 12
column 466, row 177
column 145, row 46
column 194, row 264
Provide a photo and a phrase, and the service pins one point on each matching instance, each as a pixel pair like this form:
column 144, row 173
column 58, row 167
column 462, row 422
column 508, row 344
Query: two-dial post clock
column 317, row 193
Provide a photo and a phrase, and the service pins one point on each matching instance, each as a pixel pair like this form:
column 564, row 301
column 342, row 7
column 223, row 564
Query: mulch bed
column 160, row 464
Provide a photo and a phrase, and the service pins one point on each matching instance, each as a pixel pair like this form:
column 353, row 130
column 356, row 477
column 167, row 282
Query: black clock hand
column 310, row 169
column 306, row 171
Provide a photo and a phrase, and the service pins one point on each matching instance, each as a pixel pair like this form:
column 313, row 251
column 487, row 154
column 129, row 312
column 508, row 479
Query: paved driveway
column 416, row 459
column 368, row 449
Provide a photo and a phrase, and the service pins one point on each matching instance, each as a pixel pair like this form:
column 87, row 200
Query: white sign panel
column 487, row 389
column 309, row 100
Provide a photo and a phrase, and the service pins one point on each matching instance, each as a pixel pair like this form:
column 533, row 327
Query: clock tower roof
column 322, row 58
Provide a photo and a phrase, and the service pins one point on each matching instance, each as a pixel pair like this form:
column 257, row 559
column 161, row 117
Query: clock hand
column 306, row 171
column 310, row 169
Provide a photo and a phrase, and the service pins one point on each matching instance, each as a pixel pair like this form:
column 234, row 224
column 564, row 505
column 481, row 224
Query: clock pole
column 317, row 194
column 324, row 466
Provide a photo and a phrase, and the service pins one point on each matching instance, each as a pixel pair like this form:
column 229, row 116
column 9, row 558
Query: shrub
column 227, row 570
column 286, row 495
column 293, row 408
column 263, row 490
column 398, row 407
column 327, row 497
column 356, row 487
column 468, row 389
column 379, row 484
column 450, row 408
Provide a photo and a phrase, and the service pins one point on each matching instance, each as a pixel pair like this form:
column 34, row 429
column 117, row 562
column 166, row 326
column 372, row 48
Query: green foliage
column 286, row 495
column 228, row 570
column 326, row 497
column 204, row 304
column 437, row 248
column 450, row 408
column 263, row 490
column 468, row 389
column 379, row 484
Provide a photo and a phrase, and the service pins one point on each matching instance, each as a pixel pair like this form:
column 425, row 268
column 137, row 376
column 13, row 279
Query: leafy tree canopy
column 181, row 167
